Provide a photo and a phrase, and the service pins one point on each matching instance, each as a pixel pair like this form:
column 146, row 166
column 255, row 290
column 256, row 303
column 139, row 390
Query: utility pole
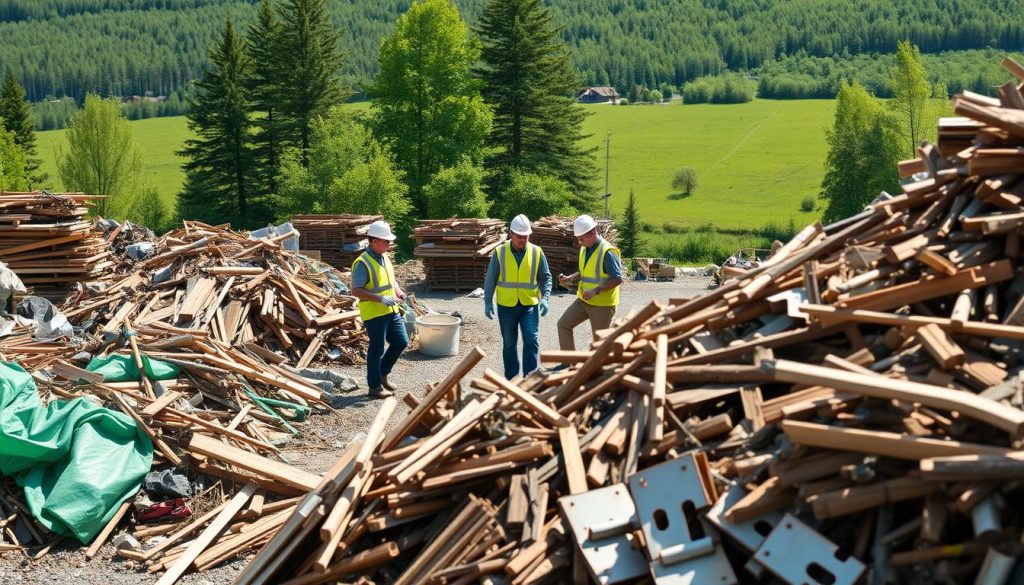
column 607, row 158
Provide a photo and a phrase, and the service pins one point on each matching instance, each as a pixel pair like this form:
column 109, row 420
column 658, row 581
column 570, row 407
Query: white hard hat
column 381, row 229
column 521, row 225
column 582, row 225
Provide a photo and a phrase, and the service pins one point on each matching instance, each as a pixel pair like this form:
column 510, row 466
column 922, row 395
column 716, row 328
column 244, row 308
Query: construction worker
column 518, row 273
column 374, row 284
column 599, row 277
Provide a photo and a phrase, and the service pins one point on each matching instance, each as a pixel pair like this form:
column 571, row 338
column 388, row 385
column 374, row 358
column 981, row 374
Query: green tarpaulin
column 76, row 461
column 122, row 368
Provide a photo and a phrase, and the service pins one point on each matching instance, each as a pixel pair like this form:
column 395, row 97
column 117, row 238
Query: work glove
column 489, row 311
column 388, row 301
column 543, row 307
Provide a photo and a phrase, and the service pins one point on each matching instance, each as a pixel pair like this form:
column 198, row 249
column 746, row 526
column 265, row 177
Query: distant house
column 598, row 95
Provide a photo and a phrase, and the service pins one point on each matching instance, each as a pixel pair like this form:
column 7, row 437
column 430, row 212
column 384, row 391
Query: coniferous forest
column 799, row 48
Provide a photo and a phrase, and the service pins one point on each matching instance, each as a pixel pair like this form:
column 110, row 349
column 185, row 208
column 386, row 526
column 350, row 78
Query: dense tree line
column 125, row 47
column 802, row 76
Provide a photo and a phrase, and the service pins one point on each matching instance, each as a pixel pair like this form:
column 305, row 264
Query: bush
column 728, row 88
column 685, row 180
column 149, row 211
column 807, row 203
column 535, row 195
column 671, row 228
column 623, row 101
column 457, row 191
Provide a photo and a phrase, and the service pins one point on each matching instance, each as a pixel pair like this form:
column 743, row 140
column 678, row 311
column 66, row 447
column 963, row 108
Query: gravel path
column 325, row 435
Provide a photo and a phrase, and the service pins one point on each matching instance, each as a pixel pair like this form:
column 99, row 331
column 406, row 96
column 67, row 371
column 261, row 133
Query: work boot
column 387, row 385
column 380, row 392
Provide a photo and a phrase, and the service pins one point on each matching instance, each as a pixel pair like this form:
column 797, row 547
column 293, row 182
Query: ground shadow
column 679, row 195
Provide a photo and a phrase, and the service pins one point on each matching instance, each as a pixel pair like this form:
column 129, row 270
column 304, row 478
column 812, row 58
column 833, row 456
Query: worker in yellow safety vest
column 518, row 273
column 599, row 277
column 374, row 284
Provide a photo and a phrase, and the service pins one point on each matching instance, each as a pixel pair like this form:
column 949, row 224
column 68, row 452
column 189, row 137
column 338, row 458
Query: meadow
column 755, row 163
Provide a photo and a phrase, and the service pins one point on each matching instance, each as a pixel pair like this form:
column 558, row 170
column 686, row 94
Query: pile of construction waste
column 850, row 406
column 455, row 252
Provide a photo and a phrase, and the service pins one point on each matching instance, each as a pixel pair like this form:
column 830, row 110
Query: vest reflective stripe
column 517, row 283
column 379, row 282
column 592, row 274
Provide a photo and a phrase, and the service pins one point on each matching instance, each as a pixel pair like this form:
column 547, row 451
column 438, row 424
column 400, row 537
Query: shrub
column 457, row 191
column 685, row 180
column 728, row 88
column 807, row 203
column 535, row 195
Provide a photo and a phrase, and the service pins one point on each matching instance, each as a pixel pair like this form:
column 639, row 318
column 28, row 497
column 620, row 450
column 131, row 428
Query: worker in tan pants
column 599, row 277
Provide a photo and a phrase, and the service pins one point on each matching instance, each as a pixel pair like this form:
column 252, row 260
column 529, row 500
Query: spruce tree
column 629, row 229
column 309, row 61
column 16, row 117
column 530, row 82
column 264, row 86
column 219, row 172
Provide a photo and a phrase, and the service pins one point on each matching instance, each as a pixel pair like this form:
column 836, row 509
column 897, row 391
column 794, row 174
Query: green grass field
column 755, row 161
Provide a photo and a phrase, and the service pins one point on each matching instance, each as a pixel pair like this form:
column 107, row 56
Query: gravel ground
column 325, row 435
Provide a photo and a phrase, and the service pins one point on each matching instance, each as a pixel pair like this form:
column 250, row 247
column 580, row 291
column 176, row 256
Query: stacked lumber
column 554, row 234
column 455, row 252
column 339, row 239
column 48, row 241
column 245, row 293
column 852, row 404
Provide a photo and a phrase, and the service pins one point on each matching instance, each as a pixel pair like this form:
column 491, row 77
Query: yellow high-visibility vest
column 518, row 283
column 381, row 279
column 592, row 274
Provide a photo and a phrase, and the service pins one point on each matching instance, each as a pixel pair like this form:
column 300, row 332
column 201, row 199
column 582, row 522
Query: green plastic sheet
column 76, row 461
column 122, row 368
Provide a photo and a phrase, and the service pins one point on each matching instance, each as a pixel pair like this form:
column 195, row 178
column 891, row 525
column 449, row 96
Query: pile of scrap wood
column 455, row 252
column 245, row 293
column 220, row 415
column 562, row 249
column 851, row 405
column 48, row 241
column 339, row 239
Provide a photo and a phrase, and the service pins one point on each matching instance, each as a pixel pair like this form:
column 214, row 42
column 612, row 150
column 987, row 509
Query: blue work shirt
column 359, row 274
column 543, row 274
column 612, row 262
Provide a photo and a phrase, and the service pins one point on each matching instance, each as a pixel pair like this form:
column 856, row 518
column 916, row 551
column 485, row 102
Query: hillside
column 755, row 161
column 125, row 47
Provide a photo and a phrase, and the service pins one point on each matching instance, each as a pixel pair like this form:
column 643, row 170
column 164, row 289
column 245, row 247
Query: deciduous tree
column 427, row 104
column 102, row 157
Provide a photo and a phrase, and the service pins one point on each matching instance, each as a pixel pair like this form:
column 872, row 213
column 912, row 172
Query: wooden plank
column 198, row 545
column 528, row 400
column 888, row 444
column 575, row 472
column 107, row 530
column 280, row 472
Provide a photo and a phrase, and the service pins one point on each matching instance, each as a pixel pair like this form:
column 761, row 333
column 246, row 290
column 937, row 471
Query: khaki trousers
column 578, row 312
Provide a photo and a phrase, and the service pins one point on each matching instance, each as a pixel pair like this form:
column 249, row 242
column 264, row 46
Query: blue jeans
column 512, row 320
column 379, row 362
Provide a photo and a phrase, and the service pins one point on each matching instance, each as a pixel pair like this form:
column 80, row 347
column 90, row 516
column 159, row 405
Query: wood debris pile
column 850, row 406
column 340, row 239
column 49, row 243
column 554, row 234
column 244, row 293
column 455, row 252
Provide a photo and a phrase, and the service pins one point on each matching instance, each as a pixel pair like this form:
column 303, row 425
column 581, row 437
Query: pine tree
column 16, row 117
column 220, row 170
column 309, row 61
column 530, row 82
column 264, row 86
column 629, row 229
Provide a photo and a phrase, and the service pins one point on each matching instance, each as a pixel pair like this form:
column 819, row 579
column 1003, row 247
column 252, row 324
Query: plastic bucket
column 439, row 334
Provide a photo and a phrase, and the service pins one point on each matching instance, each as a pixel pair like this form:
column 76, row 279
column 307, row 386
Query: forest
column 799, row 48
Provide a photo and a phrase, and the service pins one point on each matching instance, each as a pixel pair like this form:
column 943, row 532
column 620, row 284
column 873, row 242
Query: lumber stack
column 241, row 292
column 554, row 234
column 850, row 406
column 455, row 252
column 48, row 241
column 339, row 239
